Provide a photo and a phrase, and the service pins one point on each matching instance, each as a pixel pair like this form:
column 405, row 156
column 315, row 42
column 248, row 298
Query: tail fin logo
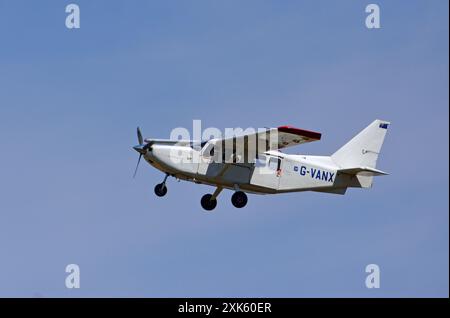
column 364, row 151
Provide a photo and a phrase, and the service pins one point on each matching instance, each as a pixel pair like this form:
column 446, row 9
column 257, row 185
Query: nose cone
column 141, row 149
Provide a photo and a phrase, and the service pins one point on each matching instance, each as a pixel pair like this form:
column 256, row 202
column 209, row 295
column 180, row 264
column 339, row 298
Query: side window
column 273, row 163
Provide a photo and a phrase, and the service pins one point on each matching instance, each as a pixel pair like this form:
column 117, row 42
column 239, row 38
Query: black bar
column 225, row 306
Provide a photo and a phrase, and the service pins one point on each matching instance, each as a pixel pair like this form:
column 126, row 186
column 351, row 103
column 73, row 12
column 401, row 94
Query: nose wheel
column 161, row 188
column 239, row 199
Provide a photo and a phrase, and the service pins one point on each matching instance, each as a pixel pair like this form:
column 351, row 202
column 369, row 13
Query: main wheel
column 239, row 199
column 160, row 189
column 207, row 203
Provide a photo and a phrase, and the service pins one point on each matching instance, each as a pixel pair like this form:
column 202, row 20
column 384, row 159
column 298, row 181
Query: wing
column 290, row 136
column 245, row 147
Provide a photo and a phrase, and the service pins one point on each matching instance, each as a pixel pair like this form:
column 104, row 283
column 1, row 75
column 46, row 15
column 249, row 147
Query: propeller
column 140, row 148
column 139, row 135
column 137, row 166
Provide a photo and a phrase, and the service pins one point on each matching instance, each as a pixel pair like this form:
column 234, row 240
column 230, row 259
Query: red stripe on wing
column 301, row 132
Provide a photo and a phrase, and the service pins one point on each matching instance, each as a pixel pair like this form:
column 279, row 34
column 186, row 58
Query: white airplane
column 252, row 163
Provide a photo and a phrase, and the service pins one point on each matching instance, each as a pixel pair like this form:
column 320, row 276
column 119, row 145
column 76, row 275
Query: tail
column 359, row 155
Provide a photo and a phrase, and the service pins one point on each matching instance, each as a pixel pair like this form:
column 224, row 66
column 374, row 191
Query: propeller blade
column 137, row 166
column 139, row 135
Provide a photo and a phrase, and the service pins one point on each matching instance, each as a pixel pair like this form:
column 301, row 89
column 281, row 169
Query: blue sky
column 70, row 101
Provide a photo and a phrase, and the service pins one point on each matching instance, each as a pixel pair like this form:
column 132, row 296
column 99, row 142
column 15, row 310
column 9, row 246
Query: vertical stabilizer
column 364, row 148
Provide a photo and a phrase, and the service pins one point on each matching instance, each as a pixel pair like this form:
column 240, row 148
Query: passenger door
column 267, row 172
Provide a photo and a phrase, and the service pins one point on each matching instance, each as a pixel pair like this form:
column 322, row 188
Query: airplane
column 253, row 163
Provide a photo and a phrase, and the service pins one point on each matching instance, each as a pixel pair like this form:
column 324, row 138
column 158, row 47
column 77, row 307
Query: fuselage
column 273, row 171
column 252, row 162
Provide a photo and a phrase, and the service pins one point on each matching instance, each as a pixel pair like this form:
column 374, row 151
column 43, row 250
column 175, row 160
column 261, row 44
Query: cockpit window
column 208, row 150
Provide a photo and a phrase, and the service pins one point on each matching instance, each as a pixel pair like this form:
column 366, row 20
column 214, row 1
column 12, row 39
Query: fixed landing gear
column 161, row 188
column 208, row 203
column 239, row 199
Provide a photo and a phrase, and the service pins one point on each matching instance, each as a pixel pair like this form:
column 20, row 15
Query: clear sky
column 70, row 101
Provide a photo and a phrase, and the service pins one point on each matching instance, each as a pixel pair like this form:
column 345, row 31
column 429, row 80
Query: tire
column 239, row 199
column 207, row 203
column 160, row 189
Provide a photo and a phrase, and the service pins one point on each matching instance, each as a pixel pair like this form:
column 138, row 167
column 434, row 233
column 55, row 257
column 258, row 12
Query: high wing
column 245, row 147
column 291, row 136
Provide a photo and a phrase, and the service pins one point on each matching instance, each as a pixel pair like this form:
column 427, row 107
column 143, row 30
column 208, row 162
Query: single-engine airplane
column 253, row 163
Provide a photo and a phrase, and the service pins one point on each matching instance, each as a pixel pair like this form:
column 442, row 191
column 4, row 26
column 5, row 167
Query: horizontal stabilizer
column 364, row 171
column 340, row 191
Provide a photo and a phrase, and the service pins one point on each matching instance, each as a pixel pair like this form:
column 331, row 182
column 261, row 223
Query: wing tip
column 301, row 132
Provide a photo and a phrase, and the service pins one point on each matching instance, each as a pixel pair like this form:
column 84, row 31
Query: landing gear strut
column 160, row 188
